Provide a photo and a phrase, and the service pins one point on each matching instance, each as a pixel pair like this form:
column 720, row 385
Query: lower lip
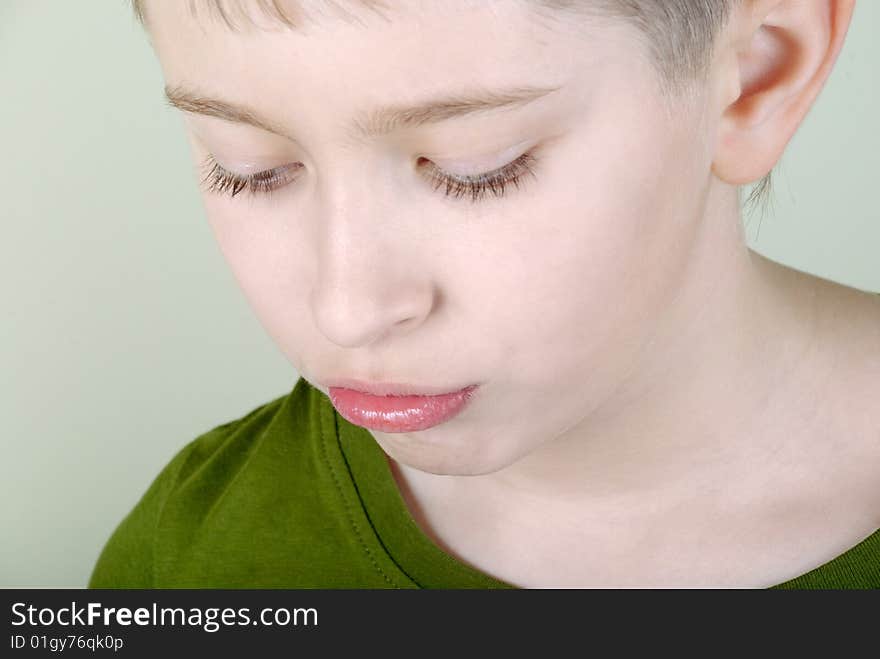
column 398, row 413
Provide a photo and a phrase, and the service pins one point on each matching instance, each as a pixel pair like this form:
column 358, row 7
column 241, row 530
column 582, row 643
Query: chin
column 435, row 460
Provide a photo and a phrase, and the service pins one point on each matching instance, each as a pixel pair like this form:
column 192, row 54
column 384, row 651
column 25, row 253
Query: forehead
column 237, row 15
column 323, row 72
column 493, row 24
column 455, row 30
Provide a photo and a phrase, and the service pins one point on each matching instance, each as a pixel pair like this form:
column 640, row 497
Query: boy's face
column 358, row 267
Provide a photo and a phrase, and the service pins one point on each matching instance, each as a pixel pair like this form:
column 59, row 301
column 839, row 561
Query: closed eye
column 477, row 186
column 219, row 180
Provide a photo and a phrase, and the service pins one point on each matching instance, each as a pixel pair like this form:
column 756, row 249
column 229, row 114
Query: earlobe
column 782, row 54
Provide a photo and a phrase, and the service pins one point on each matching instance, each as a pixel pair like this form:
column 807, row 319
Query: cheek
column 265, row 256
column 583, row 270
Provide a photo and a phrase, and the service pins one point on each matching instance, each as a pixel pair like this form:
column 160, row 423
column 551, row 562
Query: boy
column 501, row 243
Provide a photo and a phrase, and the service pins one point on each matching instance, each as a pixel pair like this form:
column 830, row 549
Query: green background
column 124, row 335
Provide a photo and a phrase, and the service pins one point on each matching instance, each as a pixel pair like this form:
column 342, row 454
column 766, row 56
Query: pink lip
column 398, row 413
column 386, row 388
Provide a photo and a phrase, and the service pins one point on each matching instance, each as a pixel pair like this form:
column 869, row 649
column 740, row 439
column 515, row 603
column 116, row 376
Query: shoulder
column 292, row 419
column 191, row 481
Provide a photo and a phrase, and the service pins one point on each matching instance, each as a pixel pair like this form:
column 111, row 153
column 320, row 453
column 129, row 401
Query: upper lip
column 390, row 388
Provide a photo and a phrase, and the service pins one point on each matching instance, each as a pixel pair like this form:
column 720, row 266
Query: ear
column 777, row 56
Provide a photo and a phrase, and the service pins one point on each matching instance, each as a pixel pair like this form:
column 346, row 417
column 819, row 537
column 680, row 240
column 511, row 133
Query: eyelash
column 218, row 180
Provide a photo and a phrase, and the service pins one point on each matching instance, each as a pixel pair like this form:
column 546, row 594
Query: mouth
column 388, row 388
column 382, row 409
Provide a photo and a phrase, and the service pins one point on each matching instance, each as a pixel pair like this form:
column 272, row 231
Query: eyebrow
column 377, row 122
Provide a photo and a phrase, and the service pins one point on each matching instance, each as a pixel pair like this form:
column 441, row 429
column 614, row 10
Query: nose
column 369, row 284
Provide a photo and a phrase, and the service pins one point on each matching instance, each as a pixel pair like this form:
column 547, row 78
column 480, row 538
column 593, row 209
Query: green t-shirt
column 294, row 496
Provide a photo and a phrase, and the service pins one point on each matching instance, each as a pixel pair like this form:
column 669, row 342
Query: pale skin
column 660, row 406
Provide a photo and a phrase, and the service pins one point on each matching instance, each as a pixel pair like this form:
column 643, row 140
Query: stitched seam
column 370, row 520
column 348, row 512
